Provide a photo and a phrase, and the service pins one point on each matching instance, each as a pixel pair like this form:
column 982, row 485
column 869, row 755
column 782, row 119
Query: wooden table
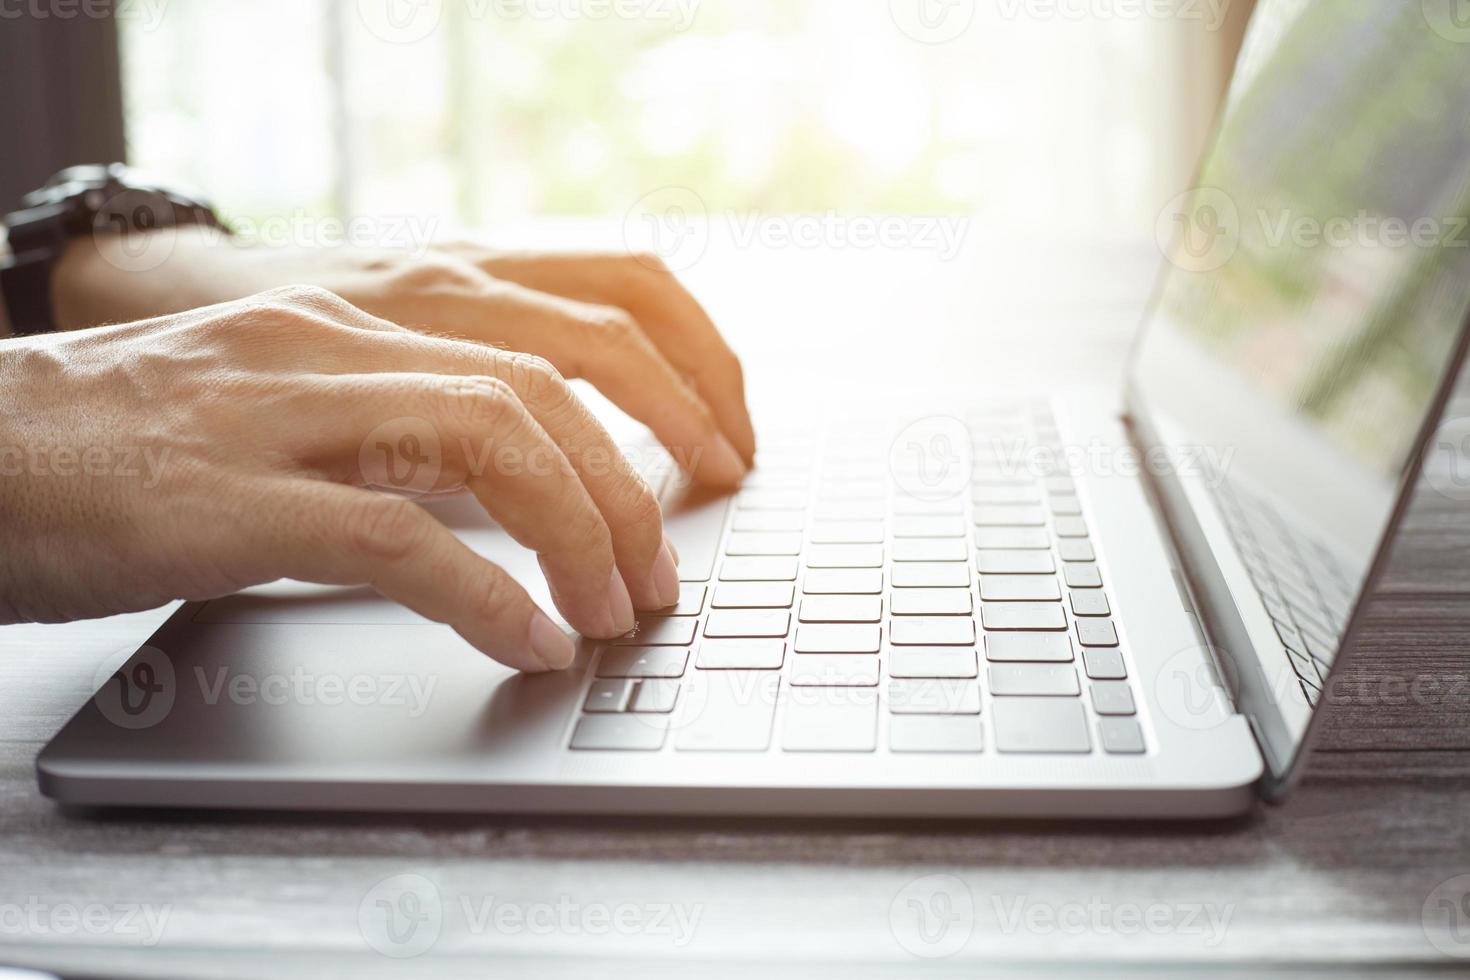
column 1336, row 880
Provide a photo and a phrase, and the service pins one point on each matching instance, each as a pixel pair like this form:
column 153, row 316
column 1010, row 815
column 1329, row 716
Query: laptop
column 1115, row 604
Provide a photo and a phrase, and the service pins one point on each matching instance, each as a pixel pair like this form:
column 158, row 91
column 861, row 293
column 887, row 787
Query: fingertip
column 721, row 465
column 552, row 647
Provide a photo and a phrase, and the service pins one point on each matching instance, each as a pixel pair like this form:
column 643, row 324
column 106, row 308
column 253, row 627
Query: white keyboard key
column 1023, row 616
column 841, row 609
column 1112, row 698
column 930, row 549
column 1065, row 504
column 770, row 520
column 1025, row 538
column 1020, row 588
column 1090, row 602
column 1009, row 515
column 1104, row 665
column 771, row 500
column 1076, row 549
column 931, row 602
column 1040, row 725
column 1070, row 527
column 620, row 733
column 932, row 662
column 1034, row 680
column 936, row 733
column 660, row 631
column 691, row 601
column 843, row 581
column 741, row 655
column 1097, row 633
column 655, row 697
column 642, row 662
column 763, row 543
column 1082, row 575
column 935, row 631
column 693, row 523
column 931, row 575
column 1120, row 736
column 608, row 697
column 933, row 697
column 835, row 670
column 849, row 510
column 728, row 711
column 905, row 504
column 1055, row 648
column 1020, row 493
column 845, row 556
column 848, row 723
column 753, row 595
column 758, row 570
column 748, row 623
column 1012, row 561
column 837, row 639
column 929, row 527
column 847, row 532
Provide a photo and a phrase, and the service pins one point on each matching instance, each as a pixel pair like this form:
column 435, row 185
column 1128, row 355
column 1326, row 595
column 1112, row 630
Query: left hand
column 621, row 321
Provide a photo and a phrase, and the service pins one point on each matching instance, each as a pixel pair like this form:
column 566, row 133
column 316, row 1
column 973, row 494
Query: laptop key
column 741, row 655
column 1070, row 527
column 835, row 670
column 764, row 543
column 1112, row 698
column 1120, row 736
column 845, row 556
column 843, row 581
column 691, row 601
column 1082, row 575
column 693, row 524
column 936, row 631
column 1023, row 616
column 1009, row 515
column 753, row 595
column 1018, row 538
column 989, row 561
column 758, row 570
column 608, row 697
column 849, row 510
column 1054, row 648
column 728, row 711
column 931, row 575
column 1104, row 665
column 1076, row 549
column 933, row 697
column 1020, row 493
column 826, row 723
column 931, row 602
column 1034, row 680
column 1097, row 633
column 928, row 527
column 769, row 520
column 1040, row 725
column 639, row 662
column 930, row 549
column 1020, row 588
column 660, row 631
column 921, row 662
column 620, row 733
column 812, row 638
column 847, row 532
column 748, row 623
column 936, row 733
column 655, row 697
column 1065, row 504
column 1090, row 602
column 841, row 609
column 770, row 500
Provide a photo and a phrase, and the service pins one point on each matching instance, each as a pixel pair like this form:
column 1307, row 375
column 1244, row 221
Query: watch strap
column 25, row 280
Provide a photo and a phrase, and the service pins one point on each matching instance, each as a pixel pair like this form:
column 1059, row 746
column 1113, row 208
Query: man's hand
column 194, row 455
column 622, row 322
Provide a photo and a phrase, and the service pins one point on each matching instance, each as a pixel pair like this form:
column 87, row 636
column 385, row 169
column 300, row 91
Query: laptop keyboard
column 843, row 608
column 1304, row 588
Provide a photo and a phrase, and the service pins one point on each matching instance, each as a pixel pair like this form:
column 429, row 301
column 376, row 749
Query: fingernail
column 550, row 645
column 673, row 552
column 620, row 604
column 665, row 577
column 723, row 464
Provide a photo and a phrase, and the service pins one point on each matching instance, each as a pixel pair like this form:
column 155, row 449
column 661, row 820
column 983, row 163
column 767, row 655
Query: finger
column 473, row 431
column 321, row 532
column 620, row 494
column 673, row 319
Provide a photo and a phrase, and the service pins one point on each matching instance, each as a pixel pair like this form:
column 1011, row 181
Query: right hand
column 194, row 455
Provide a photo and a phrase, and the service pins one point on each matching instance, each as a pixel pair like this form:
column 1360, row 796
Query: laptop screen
column 1308, row 318
column 1319, row 271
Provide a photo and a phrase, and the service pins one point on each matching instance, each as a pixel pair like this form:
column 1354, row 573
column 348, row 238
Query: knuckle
column 614, row 327
column 435, row 273
column 383, row 528
column 490, row 590
column 539, row 382
column 650, row 261
column 478, row 401
column 640, row 509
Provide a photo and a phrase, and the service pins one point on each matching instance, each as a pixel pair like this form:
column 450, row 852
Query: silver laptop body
column 1070, row 604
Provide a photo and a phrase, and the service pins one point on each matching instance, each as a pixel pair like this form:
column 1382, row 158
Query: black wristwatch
column 97, row 199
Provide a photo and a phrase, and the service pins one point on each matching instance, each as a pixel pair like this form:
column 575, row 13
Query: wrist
column 103, row 279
